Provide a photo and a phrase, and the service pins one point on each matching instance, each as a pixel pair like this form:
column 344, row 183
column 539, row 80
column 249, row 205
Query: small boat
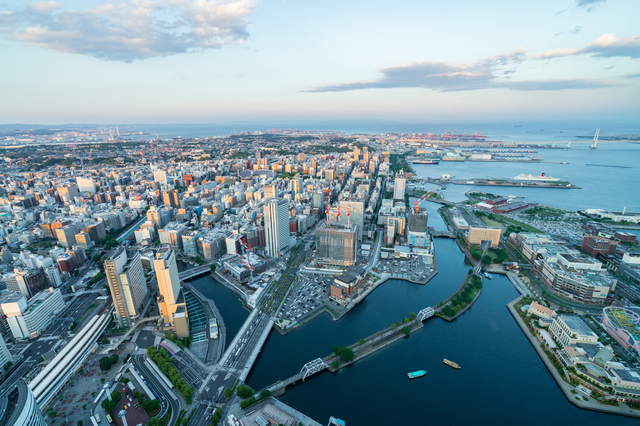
column 416, row 374
column 487, row 275
column 451, row 364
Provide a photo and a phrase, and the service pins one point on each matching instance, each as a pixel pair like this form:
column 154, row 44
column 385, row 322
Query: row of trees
column 216, row 416
column 109, row 406
column 466, row 296
column 165, row 364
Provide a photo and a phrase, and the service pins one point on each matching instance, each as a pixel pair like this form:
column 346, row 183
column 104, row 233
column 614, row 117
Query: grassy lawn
column 490, row 222
column 520, row 224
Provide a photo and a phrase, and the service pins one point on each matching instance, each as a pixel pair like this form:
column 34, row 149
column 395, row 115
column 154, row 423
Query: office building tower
column 5, row 355
column 86, row 185
column 399, row 186
column 296, row 186
column 160, row 176
column 127, row 284
column 170, row 299
column 19, row 407
column 170, row 198
column 337, row 244
column 417, row 227
column 270, row 191
column 276, row 224
column 28, row 282
column 29, row 318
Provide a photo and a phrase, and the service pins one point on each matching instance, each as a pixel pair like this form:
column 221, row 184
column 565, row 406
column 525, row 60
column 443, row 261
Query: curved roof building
column 623, row 325
column 18, row 407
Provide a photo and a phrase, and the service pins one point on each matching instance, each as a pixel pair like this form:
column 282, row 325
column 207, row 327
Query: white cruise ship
column 542, row 178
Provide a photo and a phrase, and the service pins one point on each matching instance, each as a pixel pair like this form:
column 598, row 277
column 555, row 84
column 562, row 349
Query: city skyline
column 201, row 62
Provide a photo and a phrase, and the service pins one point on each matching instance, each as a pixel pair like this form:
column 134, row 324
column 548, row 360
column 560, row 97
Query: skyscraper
column 127, row 284
column 170, row 300
column 399, row 185
column 170, row 198
column 270, row 191
column 337, row 244
column 28, row 282
column 276, row 224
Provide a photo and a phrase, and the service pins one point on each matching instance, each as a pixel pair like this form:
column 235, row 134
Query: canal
column 502, row 379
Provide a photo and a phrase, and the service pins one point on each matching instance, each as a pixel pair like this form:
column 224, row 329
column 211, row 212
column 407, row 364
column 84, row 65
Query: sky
column 197, row 61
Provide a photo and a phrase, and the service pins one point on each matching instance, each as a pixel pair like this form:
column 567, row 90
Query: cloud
column 590, row 4
column 637, row 75
column 573, row 31
column 133, row 30
column 488, row 73
column 607, row 46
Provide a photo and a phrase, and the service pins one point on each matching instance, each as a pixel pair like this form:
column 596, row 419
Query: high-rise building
column 170, row 198
column 127, row 284
column 28, row 318
column 337, row 244
column 355, row 208
column 399, row 186
column 160, row 176
column 276, row 224
column 20, row 407
column 86, row 185
column 170, row 299
column 417, row 227
column 28, row 282
column 5, row 355
column 270, row 191
column 296, row 186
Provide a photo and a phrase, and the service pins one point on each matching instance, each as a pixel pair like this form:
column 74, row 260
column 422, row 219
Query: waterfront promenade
column 566, row 388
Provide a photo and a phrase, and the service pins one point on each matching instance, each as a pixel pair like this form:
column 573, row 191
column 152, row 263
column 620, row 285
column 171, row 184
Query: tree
column 228, row 392
column 184, row 422
column 265, row 393
column 154, row 422
column 8, row 365
column 52, row 414
column 361, row 341
column 244, row 391
column 335, row 364
column 406, row 330
column 412, row 315
column 105, row 363
column 346, row 355
column 79, row 422
column 104, row 341
column 406, row 320
column 486, row 259
column 394, row 326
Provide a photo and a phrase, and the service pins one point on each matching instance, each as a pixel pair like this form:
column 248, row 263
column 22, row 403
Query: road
column 60, row 327
column 154, row 383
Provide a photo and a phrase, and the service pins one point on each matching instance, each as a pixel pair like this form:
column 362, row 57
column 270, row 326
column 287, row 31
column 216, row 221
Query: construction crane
column 595, row 139
column 417, row 202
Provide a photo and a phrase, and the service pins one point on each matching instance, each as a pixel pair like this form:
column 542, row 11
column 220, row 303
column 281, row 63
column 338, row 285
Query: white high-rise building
column 399, row 186
column 127, row 284
column 27, row 319
column 5, row 355
column 276, row 226
column 86, row 185
column 160, row 176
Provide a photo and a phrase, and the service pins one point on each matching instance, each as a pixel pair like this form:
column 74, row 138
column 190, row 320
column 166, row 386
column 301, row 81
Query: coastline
column 565, row 387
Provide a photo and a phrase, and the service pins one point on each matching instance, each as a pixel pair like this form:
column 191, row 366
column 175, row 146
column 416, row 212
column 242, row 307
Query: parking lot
column 417, row 268
column 309, row 293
